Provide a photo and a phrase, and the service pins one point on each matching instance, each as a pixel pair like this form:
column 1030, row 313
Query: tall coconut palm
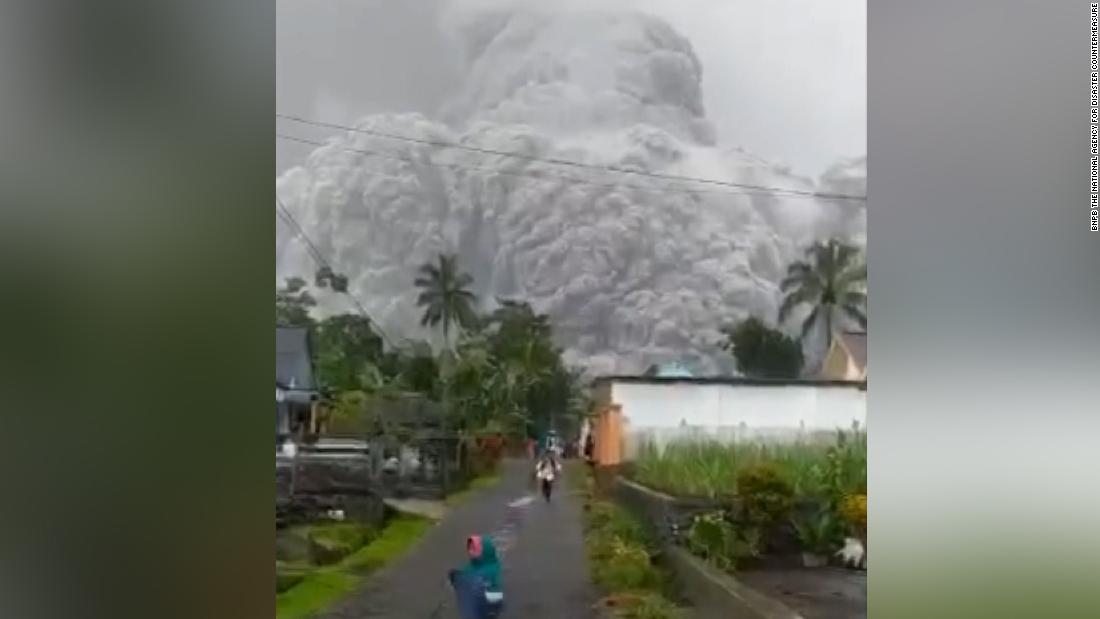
column 445, row 297
column 833, row 281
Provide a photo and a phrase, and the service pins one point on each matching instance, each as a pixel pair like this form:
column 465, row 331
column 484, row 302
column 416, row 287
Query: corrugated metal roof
column 674, row 370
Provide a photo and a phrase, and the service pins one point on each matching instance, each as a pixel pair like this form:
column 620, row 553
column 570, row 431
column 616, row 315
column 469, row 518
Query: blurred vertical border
column 137, row 194
column 985, row 338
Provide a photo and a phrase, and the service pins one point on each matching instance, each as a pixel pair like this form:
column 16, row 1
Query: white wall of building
column 727, row 412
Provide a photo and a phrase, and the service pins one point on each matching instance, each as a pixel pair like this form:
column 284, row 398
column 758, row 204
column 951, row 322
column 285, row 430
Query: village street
column 541, row 548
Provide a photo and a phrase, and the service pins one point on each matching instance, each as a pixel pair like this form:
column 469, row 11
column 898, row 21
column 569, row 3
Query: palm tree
column 833, row 281
column 444, row 295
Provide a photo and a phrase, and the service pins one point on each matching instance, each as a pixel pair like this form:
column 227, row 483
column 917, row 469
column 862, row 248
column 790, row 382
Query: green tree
column 523, row 341
column 292, row 304
column 421, row 374
column 832, row 280
column 445, row 296
column 348, row 351
column 763, row 352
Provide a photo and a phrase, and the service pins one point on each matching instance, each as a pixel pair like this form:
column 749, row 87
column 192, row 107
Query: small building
column 296, row 393
column 846, row 358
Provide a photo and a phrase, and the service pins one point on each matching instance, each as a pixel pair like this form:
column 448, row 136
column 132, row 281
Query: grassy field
column 322, row 586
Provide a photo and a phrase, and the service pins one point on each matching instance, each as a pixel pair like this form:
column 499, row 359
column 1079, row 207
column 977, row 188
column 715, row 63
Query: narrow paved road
column 541, row 546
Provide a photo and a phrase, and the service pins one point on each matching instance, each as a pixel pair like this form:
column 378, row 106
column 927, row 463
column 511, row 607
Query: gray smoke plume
column 632, row 270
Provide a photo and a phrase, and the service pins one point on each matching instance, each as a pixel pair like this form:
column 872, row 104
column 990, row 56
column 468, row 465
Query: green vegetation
column 622, row 561
column 348, row 352
column 302, row 590
column 762, row 352
column 292, row 303
column 767, row 480
column 710, row 469
column 821, row 533
column 399, row 535
column 766, row 496
column 499, row 372
column 713, row 537
column 832, row 281
column 314, row 592
column 330, row 543
column 445, row 295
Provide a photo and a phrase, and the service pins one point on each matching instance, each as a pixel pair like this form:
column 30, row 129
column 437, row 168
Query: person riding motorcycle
column 546, row 471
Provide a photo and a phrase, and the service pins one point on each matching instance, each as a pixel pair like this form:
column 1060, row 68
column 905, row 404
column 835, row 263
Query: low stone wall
column 323, row 475
column 309, row 486
column 665, row 516
column 675, row 514
column 713, row 593
column 717, row 595
column 359, row 474
column 306, row 508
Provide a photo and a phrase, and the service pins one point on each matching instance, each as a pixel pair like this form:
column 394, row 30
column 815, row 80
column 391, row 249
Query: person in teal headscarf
column 477, row 585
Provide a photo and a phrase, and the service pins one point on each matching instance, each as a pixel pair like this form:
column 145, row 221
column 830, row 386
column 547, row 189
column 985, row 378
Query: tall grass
column 707, row 468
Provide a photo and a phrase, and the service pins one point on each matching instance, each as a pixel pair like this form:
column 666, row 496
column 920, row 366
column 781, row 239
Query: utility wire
column 284, row 212
column 575, row 164
column 536, row 175
column 315, row 253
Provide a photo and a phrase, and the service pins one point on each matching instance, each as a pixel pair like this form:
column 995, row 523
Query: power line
column 536, row 175
column 575, row 164
column 315, row 253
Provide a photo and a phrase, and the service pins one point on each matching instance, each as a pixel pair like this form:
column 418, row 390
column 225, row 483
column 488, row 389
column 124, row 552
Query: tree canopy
column 445, row 295
column 292, row 304
column 348, row 352
column 762, row 352
column 832, row 281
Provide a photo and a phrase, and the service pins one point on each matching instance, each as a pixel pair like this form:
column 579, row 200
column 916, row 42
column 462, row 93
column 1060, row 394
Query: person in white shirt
column 547, row 471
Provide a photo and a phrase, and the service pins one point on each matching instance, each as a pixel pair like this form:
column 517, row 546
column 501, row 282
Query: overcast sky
column 786, row 79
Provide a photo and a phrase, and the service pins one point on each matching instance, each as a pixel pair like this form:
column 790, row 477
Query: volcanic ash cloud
column 633, row 270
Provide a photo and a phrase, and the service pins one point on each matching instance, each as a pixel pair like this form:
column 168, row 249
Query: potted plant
column 818, row 536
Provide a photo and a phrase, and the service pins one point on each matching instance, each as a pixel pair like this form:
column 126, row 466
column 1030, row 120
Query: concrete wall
column 728, row 412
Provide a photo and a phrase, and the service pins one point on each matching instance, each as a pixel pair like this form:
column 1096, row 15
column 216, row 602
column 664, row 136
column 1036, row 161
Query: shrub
column 287, row 576
column 763, row 352
column 715, row 538
column 765, row 494
column 486, row 453
column 845, row 467
column 332, row 542
column 853, row 508
column 623, row 565
column 820, row 533
column 292, row 545
column 642, row 605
